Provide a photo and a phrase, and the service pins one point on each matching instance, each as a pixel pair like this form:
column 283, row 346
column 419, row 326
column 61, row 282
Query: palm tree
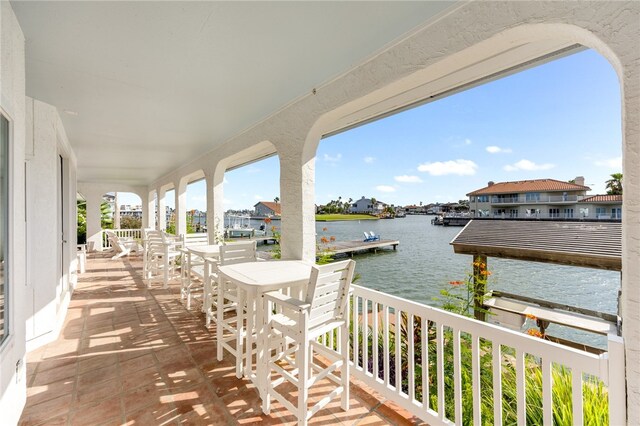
column 614, row 185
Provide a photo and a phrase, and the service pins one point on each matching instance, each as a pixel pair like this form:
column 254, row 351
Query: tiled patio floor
column 132, row 355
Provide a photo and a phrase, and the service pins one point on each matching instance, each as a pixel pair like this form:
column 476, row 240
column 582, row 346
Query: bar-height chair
column 228, row 295
column 162, row 257
column 291, row 337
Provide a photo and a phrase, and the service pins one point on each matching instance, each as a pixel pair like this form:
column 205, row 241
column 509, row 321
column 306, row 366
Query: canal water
column 425, row 263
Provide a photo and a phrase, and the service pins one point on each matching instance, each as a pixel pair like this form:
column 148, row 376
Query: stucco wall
column 12, row 102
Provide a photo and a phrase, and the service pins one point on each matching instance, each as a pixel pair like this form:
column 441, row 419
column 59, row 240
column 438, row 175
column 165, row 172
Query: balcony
column 547, row 199
column 128, row 354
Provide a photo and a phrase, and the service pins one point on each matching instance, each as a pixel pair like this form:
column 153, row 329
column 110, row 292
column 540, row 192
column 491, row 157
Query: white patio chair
column 162, row 257
column 121, row 246
column 293, row 336
column 192, row 267
column 227, row 297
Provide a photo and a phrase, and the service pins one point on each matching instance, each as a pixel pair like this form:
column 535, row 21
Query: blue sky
column 558, row 120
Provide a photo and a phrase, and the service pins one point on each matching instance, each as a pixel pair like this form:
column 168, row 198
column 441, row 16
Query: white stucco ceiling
column 155, row 84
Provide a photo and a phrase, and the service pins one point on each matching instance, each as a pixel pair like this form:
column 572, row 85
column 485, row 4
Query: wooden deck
column 351, row 247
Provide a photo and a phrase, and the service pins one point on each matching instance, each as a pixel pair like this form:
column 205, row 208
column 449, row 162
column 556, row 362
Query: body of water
column 425, row 263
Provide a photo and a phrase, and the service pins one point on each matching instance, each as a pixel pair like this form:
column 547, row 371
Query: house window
column 584, row 212
column 532, row 196
column 513, row 213
column 499, row 212
column 4, row 225
column 568, row 213
column 555, row 213
column 483, row 198
column 601, row 213
column 616, row 213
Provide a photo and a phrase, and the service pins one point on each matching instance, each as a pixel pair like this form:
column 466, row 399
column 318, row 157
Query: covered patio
column 147, row 97
column 132, row 355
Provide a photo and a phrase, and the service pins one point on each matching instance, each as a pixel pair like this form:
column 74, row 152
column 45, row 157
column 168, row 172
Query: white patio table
column 253, row 279
column 205, row 252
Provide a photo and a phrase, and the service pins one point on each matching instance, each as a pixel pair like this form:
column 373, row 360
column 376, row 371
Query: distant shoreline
column 337, row 217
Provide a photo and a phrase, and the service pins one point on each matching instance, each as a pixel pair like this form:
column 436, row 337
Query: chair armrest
column 286, row 301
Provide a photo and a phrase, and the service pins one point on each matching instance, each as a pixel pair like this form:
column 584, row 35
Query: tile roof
column 546, row 185
column 273, row 206
column 602, row 199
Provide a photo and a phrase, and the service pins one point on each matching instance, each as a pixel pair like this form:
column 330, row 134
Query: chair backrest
column 196, row 239
column 113, row 240
column 366, row 235
column 328, row 291
column 238, row 253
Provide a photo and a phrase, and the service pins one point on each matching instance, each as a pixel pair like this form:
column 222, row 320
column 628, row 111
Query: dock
column 351, row 247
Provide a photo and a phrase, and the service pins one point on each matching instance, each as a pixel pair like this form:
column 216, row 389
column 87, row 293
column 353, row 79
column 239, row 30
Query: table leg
column 206, row 297
column 251, row 311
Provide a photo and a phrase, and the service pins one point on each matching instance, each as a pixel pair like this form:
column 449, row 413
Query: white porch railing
column 474, row 371
column 121, row 233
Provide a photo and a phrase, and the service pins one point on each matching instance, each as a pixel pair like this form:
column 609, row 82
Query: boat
column 238, row 226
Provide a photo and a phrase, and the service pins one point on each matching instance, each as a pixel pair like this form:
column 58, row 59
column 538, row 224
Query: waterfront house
column 366, row 205
column 267, row 209
column 542, row 198
column 148, row 97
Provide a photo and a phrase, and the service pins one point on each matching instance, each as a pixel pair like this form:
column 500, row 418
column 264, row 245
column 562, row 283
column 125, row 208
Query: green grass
column 334, row 217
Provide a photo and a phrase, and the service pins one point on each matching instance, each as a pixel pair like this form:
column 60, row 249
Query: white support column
column 215, row 203
column 297, row 195
column 181, row 207
column 94, row 225
column 116, row 211
column 144, row 201
column 161, row 223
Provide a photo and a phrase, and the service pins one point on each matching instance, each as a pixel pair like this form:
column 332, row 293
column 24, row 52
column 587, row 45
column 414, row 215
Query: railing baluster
column 576, row 396
column 497, row 383
column 425, row 362
column 376, row 359
column 411, row 359
column 520, row 390
column 356, row 332
column 365, row 335
column 440, row 361
column 398, row 352
column 547, row 391
column 457, row 376
column 385, row 343
column 475, row 378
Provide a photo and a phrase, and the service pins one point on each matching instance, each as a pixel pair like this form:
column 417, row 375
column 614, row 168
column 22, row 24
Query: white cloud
column 612, row 163
column 408, row 179
column 528, row 166
column 331, row 159
column 496, row 149
column 225, row 180
column 467, row 142
column 452, row 167
column 369, row 160
column 385, row 188
column 257, row 197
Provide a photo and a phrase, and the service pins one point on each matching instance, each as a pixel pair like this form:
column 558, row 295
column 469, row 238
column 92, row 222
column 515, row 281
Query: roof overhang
column 576, row 243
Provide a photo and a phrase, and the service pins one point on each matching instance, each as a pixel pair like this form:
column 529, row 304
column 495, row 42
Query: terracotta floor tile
column 140, row 378
column 149, row 394
column 136, row 364
column 93, row 377
column 108, row 409
column 96, row 362
column 47, row 410
column 155, row 414
column 37, row 394
column 55, row 374
column 99, row 391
